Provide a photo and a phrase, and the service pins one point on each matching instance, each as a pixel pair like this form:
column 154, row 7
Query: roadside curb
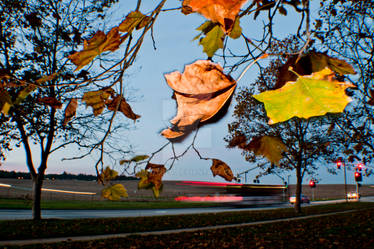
column 124, row 235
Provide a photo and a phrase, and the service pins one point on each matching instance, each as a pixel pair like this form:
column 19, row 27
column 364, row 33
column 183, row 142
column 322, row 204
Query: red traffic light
column 339, row 164
column 312, row 184
column 360, row 166
column 358, row 176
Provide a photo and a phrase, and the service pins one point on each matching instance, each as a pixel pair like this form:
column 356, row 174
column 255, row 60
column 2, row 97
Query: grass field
column 350, row 230
column 71, row 204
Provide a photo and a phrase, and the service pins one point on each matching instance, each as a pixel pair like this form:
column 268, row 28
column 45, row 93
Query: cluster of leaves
column 114, row 192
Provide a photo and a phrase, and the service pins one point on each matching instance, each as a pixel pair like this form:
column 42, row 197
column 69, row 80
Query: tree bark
column 37, row 196
column 298, row 189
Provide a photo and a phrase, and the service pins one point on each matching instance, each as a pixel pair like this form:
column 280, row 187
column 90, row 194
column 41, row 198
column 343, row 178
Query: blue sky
column 173, row 35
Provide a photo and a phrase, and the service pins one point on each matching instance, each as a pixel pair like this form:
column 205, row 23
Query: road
column 12, row 214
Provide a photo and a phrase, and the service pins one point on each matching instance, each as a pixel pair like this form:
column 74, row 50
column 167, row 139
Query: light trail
column 49, row 190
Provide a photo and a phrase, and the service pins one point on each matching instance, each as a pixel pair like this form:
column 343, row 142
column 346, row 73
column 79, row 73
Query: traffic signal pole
column 345, row 183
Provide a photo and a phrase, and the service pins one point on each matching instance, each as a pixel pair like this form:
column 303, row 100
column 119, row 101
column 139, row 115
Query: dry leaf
column 98, row 44
column 222, row 169
column 120, row 103
column 134, row 20
column 70, row 111
column 51, row 101
column 221, row 11
column 268, row 146
column 97, row 99
column 201, row 91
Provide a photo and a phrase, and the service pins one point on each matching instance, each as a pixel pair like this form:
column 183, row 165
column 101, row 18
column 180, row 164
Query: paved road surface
column 11, row 214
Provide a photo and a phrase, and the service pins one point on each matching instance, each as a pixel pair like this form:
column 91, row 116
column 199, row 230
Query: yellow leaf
column 108, row 174
column 114, row 193
column 98, row 44
column 309, row 96
column 96, row 99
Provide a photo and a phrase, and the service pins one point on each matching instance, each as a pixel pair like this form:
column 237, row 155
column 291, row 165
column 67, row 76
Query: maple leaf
column 114, row 193
column 221, row 11
column 270, row 147
column 143, row 183
column 70, row 110
column 309, row 96
column 201, row 91
column 96, row 99
column 222, row 169
column 134, row 20
column 120, row 103
column 98, row 44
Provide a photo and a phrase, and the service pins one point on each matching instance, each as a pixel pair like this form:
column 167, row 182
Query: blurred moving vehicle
column 353, row 195
column 234, row 193
column 303, row 199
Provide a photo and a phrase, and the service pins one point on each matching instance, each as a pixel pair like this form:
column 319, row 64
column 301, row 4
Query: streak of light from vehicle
column 49, row 190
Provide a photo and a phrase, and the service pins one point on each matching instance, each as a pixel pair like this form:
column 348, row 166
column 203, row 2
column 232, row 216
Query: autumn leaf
column 236, row 31
column 5, row 101
column 144, row 182
column 270, row 147
column 98, row 44
column 134, row 20
column 309, row 96
column 70, row 111
column 222, row 169
column 136, row 159
column 212, row 41
column 201, row 91
column 51, row 101
column 151, row 179
column 155, row 176
column 96, row 99
column 114, row 193
column 108, row 174
column 221, row 11
column 310, row 63
column 239, row 140
column 120, row 103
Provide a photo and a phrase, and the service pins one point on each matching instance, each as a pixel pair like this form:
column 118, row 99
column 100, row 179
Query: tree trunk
column 37, row 196
column 298, row 189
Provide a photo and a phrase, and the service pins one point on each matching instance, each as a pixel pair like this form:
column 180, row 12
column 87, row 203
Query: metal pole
column 357, row 193
column 345, row 183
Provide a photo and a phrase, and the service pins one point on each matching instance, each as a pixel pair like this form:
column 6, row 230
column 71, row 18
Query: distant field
column 171, row 189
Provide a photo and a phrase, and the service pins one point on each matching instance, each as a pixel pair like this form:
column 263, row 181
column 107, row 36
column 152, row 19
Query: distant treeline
column 63, row 176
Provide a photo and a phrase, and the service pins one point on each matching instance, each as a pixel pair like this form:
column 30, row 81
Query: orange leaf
column 119, row 103
column 70, row 110
column 222, row 169
column 200, row 92
column 221, row 11
column 134, row 20
column 98, row 44
column 270, row 147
